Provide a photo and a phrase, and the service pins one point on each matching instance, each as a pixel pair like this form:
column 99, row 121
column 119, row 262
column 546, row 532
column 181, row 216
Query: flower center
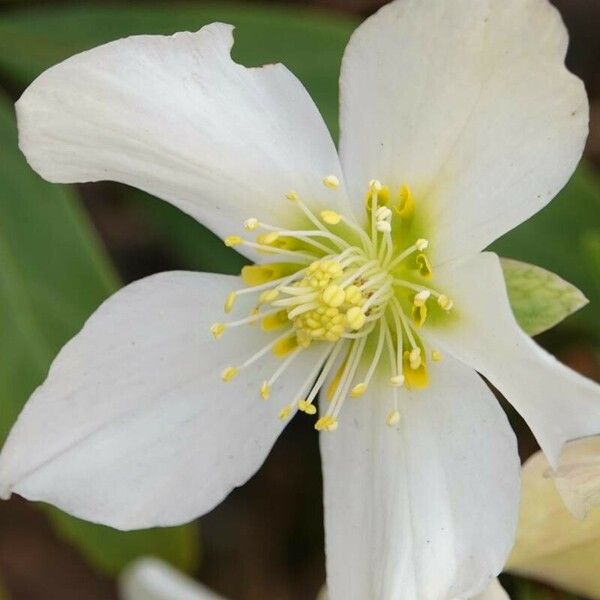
column 362, row 291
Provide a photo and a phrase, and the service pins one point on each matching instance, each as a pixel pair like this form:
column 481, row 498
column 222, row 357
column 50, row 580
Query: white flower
column 459, row 121
column 149, row 578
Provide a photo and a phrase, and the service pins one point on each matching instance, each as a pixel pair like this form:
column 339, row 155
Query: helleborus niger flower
column 553, row 544
column 459, row 120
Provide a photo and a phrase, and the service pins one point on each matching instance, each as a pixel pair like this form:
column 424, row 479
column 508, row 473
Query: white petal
column 578, row 476
column 133, row 426
column 427, row 510
column 469, row 103
column 176, row 117
column 153, row 579
column 557, row 403
column 552, row 546
column 494, row 591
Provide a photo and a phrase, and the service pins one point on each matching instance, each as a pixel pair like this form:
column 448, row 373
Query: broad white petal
column 133, row 426
column 470, row 104
column 578, row 476
column 427, row 510
column 153, row 579
column 557, row 403
column 551, row 545
column 176, row 117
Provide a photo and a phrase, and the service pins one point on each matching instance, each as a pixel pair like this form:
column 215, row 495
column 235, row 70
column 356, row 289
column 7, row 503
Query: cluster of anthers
column 362, row 291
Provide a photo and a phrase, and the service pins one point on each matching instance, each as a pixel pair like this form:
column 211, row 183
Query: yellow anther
column 330, row 217
column 414, row 378
column 393, row 418
column 233, row 240
column 326, row 423
column 421, row 298
column 229, row 301
column 268, row 239
column 304, row 338
column 307, row 407
column 332, row 182
column 358, row 390
column 260, row 274
column 217, row 330
column 229, row 373
column 355, row 317
column 421, row 244
column 265, row 390
column 285, row 346
column 354, row 295
column 423, row 265
column 275, row 321
column 292, row 196
column 436, row 355
column 419, row 314
column 333, row 296
column 397, row 380
column 251, row 224
column 268, row 296
column 406, row 204
column 285, row 412
column 445, row 302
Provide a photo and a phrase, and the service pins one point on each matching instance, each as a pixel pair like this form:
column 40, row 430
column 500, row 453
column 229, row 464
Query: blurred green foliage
column 53, row 272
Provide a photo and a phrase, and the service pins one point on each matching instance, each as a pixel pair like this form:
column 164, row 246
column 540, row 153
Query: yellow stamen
column 292, row 196
column 265, row 390
column 229, row 373
column 358, row 390
column 419, row 314
column 233, row 240
column 436, row 355
column 268, row 296
column 330, row 217
column 274, row 321
column 251, row 224
column 229, row 301
column 445, row 302
column 254, row 275
column 355, row 317
column 414, row 378
column 333, row 296
column 285, row 412
column 307, row 407
column 421, row 244
column 331, row 181
column 285, row 346
column 326, row 423
column 406, row 204
column 423, row 265
column 217, row 330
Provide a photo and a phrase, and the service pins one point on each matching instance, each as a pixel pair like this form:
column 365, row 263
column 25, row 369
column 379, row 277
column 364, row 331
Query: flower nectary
column 364, row 291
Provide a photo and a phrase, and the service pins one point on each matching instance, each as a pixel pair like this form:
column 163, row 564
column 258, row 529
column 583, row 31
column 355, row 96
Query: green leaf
column 53, row 274
column 539, row 299
column 565, row 239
